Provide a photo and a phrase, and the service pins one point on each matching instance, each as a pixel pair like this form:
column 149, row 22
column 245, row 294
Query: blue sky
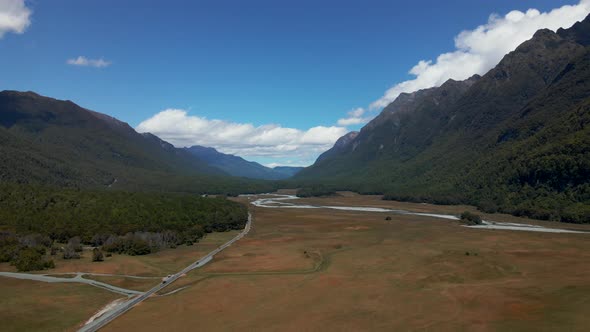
column 269, row 64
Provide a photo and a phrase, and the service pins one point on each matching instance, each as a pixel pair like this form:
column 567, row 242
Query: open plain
column 282, row 166
column 319, row 269
column 39, row 306
column 322, row 269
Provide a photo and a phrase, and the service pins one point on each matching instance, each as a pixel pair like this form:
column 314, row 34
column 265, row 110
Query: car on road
column 165, row 279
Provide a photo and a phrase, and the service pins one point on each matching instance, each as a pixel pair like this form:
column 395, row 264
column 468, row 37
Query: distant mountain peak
column 30, row 94
column 203, row 148
column 238, row 166
column 579, row 32
column 340, row 146
column 346, row 139
column 544, row 33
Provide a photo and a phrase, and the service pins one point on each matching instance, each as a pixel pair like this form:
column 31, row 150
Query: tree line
column 34, row 219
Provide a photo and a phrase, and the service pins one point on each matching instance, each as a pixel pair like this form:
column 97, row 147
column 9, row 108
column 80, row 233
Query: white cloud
column 355, row 117
column 289, row 163
column 243, row 139
column 14, row 16
column 85, row 62
column 273, row 165
column 480, row 49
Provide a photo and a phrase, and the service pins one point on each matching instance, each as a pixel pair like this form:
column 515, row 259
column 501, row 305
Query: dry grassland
column 37, row 306
column 326, row 270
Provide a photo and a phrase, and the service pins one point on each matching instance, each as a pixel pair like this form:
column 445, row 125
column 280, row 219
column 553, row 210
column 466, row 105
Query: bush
column 8, row 253
column 75, row 244
column 35, row 240
column 70, row 253
column 138, row 246
column 30, row 259
column 9, row 247
column 97, row 255
column 576, row 213
column 471, row 218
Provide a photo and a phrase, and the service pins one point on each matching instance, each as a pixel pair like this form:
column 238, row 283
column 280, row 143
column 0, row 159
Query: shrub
column 70, row 253
column 75, row 244
column 576, row 213
column 97, row 255
column 471, row 218
column 30, row 259
column 9, row 247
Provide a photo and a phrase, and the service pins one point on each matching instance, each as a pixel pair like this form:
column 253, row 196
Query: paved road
column 126, row 306
column 78, row 279
column 102, row 275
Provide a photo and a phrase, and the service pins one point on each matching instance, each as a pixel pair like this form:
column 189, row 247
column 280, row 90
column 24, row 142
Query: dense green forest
column 64, row 213
column 315, row 191
column 33, row 218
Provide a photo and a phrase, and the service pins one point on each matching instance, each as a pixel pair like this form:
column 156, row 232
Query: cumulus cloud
column 244, row 139
column 354, row 117
column 83, row 61
column 14, row 16
column 480, row 49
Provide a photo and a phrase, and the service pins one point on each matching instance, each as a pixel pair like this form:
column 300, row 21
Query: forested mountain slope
column 54, row 142
column 514, row 140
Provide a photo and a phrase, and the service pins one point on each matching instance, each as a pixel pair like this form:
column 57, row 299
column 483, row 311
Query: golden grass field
column 38, row 306
column 326, row 270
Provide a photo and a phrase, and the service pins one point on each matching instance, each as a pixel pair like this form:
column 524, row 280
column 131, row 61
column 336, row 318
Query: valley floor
column 331, row 270
column 52, row 305
column 319, row 269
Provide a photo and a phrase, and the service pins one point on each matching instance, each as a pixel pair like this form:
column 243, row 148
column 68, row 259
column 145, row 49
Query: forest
column 33, row 219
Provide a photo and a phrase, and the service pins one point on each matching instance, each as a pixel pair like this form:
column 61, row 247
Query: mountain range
column 516, row 139
column 54, row 142
column 238, row 166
